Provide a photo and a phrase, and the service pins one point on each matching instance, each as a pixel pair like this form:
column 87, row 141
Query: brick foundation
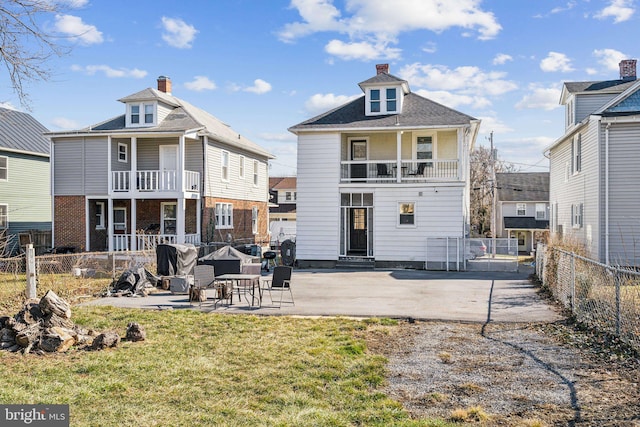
column 69, row 221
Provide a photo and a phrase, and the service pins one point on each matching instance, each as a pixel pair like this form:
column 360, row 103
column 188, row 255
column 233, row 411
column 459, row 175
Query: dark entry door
column 358, row 231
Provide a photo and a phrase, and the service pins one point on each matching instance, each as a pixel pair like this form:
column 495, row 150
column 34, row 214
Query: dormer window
column 375, row 100
column 383, row 101
column 142, row 114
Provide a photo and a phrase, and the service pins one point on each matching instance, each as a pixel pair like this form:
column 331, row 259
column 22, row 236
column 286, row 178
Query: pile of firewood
column 46, row 326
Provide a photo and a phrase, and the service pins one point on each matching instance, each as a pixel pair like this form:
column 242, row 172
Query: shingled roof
column 416, row 112
column 523, row 186
column 20, row 132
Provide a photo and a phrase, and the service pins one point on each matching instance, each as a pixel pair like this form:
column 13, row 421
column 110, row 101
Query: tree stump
column 57, row 339
column 52, row 303
column 197, row 294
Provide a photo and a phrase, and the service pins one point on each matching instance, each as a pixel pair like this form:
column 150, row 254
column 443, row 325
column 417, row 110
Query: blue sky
column 263, row 66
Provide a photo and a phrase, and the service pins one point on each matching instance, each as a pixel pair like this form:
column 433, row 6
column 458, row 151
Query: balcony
column 122, row 242
column 386, row 171
column 156, row 181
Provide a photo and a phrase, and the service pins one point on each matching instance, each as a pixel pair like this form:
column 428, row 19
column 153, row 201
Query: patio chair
column 203, row 278
column 383, row 172
column 280, row 282
column 419, row 171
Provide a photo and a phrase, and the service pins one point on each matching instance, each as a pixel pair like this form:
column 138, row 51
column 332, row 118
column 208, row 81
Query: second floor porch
column 403, row 171
column 155, row 181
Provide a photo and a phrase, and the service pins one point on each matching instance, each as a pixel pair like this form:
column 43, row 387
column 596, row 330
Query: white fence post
column 31, row 272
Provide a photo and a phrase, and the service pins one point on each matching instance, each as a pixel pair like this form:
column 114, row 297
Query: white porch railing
column 122, row 242
column 154, row 181
column 386, row 171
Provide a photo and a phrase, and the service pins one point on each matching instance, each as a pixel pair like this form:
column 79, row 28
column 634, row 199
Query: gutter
column 606, row 193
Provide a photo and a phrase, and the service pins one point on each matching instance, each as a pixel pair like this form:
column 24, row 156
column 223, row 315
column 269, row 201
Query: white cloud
column 620, row 10
column 361, row 50
column 546, row 98
column 64, row 123
column 502, row 58
column 454, row 100
column 178, row 33
column 556, row 62
column 378, row 23
column 490, row 123
column 320, row 103
column 73, row 27
column 8, row 106
column 109, row 71
column 75, row 4
column 200, row 83
column 609, row 58
column 465, row 80
column 430, row 47
column 259, row 87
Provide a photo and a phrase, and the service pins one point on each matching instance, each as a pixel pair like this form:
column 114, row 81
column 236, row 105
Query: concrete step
column 365, row 264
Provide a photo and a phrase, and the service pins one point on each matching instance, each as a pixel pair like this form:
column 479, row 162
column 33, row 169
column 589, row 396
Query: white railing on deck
column 386, row 171
column 154, row 180
column 121, row 242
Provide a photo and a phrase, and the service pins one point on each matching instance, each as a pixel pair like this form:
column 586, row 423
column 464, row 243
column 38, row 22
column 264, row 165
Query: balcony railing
column 154, row 181
column 122, row 242
column 386, row 171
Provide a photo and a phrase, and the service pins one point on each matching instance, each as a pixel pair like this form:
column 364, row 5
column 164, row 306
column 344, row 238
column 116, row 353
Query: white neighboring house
column 380, row 175
column 282, row 209
column 594, row 173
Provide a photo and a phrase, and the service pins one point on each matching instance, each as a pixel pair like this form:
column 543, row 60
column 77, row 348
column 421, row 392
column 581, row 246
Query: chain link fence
column 71, row 276
column 603, row 297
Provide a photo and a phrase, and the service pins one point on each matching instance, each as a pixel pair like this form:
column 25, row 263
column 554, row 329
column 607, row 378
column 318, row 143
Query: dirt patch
column 515, row 374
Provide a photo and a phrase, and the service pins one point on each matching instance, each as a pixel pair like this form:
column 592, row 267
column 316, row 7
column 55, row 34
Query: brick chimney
column 382, row 69
column 628, row 69
column 164, row 84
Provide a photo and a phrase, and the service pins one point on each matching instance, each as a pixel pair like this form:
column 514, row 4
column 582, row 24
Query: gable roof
column 416, row 112
column 594, row 87
column 184, row 117
column 282, row 183
column 523, row 186
column 19, row 132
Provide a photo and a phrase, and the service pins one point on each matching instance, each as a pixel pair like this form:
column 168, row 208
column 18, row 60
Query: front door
column 168, row 167
column 358, row 231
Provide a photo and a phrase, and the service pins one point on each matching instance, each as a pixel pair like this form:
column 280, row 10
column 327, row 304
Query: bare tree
column 482, row 187
column 25, row 46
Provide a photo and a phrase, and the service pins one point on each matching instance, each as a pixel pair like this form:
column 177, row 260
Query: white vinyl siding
column 585, row 105
column 318, row 205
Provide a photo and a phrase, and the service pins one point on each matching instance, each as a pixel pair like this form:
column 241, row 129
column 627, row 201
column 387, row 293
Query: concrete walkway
column 417, row 294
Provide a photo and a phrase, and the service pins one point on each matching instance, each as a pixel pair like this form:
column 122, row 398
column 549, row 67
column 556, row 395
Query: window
column 169, row 218
column 375, row 100
column 123, row 152
column 424, row 148
column 4, row 216
column 225, row 165
column 135, row 114
column 224, row 215
column 255, row 173
column 576, row 215
column 120, row 219
column 287, row 196
column 521, row 209
column 576, row 154
column 99, row 215
column 254, row 220
column 541, row 211
column 406, row 213
column 241, row 167
column 391, row 100
column 4, row 168
column 148, row 113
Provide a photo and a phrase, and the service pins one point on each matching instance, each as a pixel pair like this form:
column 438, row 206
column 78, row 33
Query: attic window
column 383, row 100
column 375, row 100
column 391, row 100
column 143, row 114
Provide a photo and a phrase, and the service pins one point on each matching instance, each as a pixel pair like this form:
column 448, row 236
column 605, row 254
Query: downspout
column 606, row 193
column 51, row 191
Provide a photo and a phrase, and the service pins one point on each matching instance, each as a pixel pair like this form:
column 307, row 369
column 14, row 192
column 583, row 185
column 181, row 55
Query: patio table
column 246, row 282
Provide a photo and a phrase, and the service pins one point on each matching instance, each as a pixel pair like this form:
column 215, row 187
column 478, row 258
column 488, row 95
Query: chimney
column 382, row 69
column 164, row 84
column 628, row 69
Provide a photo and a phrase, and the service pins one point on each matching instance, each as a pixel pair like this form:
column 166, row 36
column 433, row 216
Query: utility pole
column 494, row 188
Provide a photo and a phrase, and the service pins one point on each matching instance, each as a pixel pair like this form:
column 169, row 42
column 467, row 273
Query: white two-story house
column 594, row 173
column 381, row 175
column 163, row 171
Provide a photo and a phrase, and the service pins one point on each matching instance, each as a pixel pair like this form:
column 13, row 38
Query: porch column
column 399, row 156
column 109, row 216
column 109, row 172
column 181, row 207
column 199, row 219
column 133, row 244
column 180, row 171
column 133, row 179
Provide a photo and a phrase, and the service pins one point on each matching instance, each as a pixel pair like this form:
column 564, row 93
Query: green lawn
column 214, row 369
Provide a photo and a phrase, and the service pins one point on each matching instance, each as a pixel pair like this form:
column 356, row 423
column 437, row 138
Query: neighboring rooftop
column 282, row 183
column 523, row 186
column 20, row 132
